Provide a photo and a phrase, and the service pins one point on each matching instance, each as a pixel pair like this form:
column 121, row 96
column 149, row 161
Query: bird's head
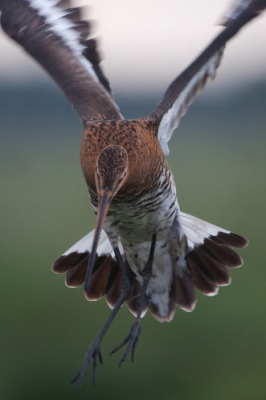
column 111, row 170
column 110, row 175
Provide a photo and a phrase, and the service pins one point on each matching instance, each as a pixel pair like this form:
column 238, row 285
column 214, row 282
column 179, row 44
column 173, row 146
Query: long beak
column 104, row 200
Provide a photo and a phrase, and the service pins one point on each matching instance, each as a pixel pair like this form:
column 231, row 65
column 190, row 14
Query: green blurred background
column 216, row 352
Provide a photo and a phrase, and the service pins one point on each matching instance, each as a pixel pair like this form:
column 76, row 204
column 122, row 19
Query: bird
column 144, row 251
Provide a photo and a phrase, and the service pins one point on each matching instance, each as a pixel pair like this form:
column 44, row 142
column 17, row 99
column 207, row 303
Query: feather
column 171, row 119
column 182, row 91
column 184, row 292
column 196, row 230
column 58, row 40
column 208, row 253
column 168, row 318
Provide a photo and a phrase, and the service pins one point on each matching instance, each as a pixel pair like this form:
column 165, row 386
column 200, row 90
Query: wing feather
column 171, row 119
column 192, row 80
column 55, row 38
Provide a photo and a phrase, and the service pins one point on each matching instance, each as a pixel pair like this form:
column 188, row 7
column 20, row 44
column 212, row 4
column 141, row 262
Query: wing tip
column 240, row 6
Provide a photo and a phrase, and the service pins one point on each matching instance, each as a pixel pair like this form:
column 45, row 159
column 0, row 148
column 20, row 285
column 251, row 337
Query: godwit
column 144, row 251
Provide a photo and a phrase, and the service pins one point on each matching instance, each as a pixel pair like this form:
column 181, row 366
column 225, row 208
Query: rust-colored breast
column 138, row 137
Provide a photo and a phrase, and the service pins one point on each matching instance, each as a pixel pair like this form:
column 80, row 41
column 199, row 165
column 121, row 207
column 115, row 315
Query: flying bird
column 144, row 251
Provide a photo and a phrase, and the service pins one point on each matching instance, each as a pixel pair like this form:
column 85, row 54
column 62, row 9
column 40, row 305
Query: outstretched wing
column 182, row 91
column 58, row 40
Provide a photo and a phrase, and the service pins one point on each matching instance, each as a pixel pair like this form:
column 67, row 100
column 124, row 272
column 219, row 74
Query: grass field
column 217, row 352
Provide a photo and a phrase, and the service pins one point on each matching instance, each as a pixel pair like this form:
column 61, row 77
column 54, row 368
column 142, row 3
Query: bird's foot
column 131, row 340
column 94, row 352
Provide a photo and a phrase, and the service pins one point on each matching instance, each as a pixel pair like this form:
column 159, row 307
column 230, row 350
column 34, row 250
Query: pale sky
column 146, row 44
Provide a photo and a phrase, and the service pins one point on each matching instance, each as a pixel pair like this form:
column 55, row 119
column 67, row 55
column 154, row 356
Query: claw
column 131, row 340
column 94, row 353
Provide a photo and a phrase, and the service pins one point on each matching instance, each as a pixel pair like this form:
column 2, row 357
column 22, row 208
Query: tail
column 201, row 265
column 105, row 278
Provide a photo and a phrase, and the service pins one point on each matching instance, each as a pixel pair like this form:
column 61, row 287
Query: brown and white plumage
column 59, row 43
column 148, row 253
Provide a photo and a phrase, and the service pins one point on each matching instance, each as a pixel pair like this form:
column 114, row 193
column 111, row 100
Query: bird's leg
column 94, row 351
column 132, row 339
